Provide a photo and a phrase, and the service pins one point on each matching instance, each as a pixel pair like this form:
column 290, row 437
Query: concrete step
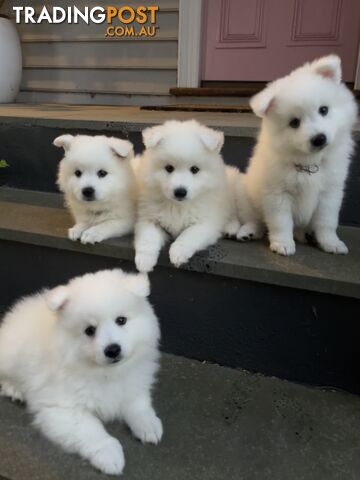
column 236, row 304
column 219, row 423
column 116, row 119
column 33, row 160
column 40, row 218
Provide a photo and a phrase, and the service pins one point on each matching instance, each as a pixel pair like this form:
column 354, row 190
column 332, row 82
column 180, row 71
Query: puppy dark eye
column 102, row 173
column 78, row 173
column 295, row 123
column 169, row 168
column 90, row 331
column 121, row 321
column 324, row 110
column 194, row 170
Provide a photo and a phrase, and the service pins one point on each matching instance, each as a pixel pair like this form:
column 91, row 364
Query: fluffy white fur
column 101, row 164
column 243, row 228
column 279, row 191
column 197, row 220
column 64, row 375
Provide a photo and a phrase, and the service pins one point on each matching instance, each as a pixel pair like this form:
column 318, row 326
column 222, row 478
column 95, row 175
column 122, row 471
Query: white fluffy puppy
column 84, row 353
column 183, row 192
column 242, row 227
column 295, row 180
column 99, row 186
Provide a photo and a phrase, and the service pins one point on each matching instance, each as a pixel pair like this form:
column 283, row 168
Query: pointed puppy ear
column 64, row 141
column 152, row 136
column 138, row 284
column 212, row 139
column 328, row 67
column 262, row 102
column 57, row 298
column 121, row 148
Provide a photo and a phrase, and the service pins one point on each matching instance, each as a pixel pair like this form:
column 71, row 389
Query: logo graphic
column 125, row 21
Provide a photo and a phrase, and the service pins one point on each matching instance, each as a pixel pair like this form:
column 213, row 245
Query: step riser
column 293, row 334
column 33, row 159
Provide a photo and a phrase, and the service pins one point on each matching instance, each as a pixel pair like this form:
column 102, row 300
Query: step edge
column 56, row 200
column 111, row 125
column 133, row 125
column 122, row 249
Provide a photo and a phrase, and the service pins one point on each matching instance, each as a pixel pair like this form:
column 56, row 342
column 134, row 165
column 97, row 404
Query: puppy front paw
column 245, row 233
column 283, row 248
column 92, row 235
column 148, row 428
column 75, row 232
column 109, row 458
column 250, row 231
column 145, row 261
column 179, row 254
column 231, row 228
column 335, row 246
column 8, row 390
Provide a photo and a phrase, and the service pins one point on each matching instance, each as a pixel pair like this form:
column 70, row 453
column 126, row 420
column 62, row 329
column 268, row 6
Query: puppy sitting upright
column 183, row 192
column 99, row 186
column 82, row 354
column 295, row 180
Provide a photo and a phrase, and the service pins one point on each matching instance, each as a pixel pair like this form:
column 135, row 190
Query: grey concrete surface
column 219, row 424
column 115, row 118
column 133, row 118
column 38, row 222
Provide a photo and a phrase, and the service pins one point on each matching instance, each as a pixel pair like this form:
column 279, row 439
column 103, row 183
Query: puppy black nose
column 180, row 193
column 88, row 193
column 112, row 351
column 319, row 141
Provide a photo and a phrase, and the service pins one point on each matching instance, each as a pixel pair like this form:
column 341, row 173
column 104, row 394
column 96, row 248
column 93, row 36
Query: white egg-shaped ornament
column 10, row 61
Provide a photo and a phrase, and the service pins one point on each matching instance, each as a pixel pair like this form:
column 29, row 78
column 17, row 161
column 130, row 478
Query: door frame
column 190, row 36
column 357, row 75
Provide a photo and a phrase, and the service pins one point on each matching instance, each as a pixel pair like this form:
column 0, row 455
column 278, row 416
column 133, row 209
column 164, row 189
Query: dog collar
column 310, row 169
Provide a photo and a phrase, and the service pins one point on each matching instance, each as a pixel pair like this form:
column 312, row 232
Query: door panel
column 260, row 40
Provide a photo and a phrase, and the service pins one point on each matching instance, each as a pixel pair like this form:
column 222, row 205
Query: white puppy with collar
column 295, row 181
column 99, row 186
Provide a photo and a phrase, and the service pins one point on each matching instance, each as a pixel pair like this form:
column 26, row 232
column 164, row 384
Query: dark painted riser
column 33, row 160
column 295, row 334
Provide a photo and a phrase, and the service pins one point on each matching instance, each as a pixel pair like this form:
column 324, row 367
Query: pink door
column 259, row 40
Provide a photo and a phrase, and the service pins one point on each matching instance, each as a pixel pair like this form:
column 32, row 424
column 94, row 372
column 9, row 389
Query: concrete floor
column 219, row 424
